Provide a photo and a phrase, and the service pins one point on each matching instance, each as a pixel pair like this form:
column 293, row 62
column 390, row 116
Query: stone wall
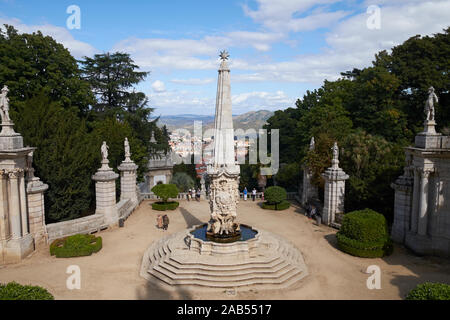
column 85, row 225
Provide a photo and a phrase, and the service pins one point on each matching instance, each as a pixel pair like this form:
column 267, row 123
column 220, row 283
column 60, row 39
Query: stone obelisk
column 223, row 171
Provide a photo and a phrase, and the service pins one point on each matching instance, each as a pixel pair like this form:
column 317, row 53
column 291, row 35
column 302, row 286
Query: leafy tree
column 64, row 159
column 111, row 76
column 165, row 191
column 183, row 181
column 31, row 64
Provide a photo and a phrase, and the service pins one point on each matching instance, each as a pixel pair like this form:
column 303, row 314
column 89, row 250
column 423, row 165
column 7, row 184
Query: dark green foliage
column 288, row 176
column 165, row 191
column 15, row 291
column 111, row 76
column 163, row 206
column 283, row 205
column 183, row 181
column 76, row 246
column 65, row 155
column 189, row 169
column 275, row 195
column 364, row 234
column 430, row 291
column 376, row 111
column 362, row 249
column 114, row 133
column 32, row 64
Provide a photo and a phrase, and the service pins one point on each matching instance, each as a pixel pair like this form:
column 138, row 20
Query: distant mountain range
column 252, row 119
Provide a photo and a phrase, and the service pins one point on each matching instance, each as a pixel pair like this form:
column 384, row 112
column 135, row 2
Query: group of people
column 313, row 213
column 245, row 192
column 162, row 222
column 192, row 193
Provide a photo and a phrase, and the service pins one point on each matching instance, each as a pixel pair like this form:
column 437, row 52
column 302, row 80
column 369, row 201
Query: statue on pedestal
column 4, row 105
column 429, row 104
column 127, row 149
column 104, row 150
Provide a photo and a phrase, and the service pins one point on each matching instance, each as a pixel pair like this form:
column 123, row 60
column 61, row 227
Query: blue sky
column 279, row 49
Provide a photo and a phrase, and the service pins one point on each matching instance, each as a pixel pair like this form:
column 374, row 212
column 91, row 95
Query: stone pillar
column 334, row 189
column 423, row 209
column 14, row 205
column 415, row 201
column 105, row 193
column 36, row 210
column 5, row 233
column 23, row 203
column 128, row 170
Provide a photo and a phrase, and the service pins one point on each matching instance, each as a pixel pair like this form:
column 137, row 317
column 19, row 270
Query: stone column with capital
column 128, row 172
column 105, row 190
column 423, row 208
column 16, row 242
column 334, row 189
column 36, row 211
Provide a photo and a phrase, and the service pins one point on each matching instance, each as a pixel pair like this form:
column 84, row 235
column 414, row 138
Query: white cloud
column 158, row 86
column 77, row 48
column 351, row 44
column 193, row 82
column 281, row 15
column 257, row 100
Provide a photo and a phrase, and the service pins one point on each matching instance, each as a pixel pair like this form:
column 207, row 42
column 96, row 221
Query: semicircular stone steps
column 274, row 264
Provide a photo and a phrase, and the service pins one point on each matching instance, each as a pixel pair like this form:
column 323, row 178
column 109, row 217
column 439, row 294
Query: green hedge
column 364, row 249
column 76, row 246
column 430, row 291
column 364, row 234
column 163, row 206
column 15, row 291
column 279, row 206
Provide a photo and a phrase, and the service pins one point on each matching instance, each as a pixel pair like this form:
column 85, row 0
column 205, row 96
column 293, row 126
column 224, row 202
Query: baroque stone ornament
column 223, row 172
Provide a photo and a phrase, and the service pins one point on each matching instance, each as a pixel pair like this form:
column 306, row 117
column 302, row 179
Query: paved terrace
column 113, row 273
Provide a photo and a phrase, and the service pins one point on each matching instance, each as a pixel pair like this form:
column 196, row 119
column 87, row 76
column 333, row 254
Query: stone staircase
column 274, row 264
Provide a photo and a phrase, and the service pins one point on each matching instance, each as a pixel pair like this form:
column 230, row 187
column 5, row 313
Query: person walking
column 165, row 219
column 197, row 196
column 159, row 222
column 254, row 194
column 188, row 195
column 245, row 194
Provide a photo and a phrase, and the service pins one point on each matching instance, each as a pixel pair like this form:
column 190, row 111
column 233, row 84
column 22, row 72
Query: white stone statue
column 104, row 150
column 429, row 104
column 4, row 105
column 127, row 148
column 335, row 151
column 312, row 144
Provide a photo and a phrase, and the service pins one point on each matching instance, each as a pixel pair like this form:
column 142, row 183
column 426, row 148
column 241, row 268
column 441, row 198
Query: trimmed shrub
column 15, row 291
column 275, row 195
column 163, row 206
column 165, row 191
column 430, row 291
column 278, row 206
column 364, row 234
column 78, row 245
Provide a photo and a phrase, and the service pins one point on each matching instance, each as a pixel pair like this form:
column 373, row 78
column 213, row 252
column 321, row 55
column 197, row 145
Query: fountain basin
column 241, row 243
